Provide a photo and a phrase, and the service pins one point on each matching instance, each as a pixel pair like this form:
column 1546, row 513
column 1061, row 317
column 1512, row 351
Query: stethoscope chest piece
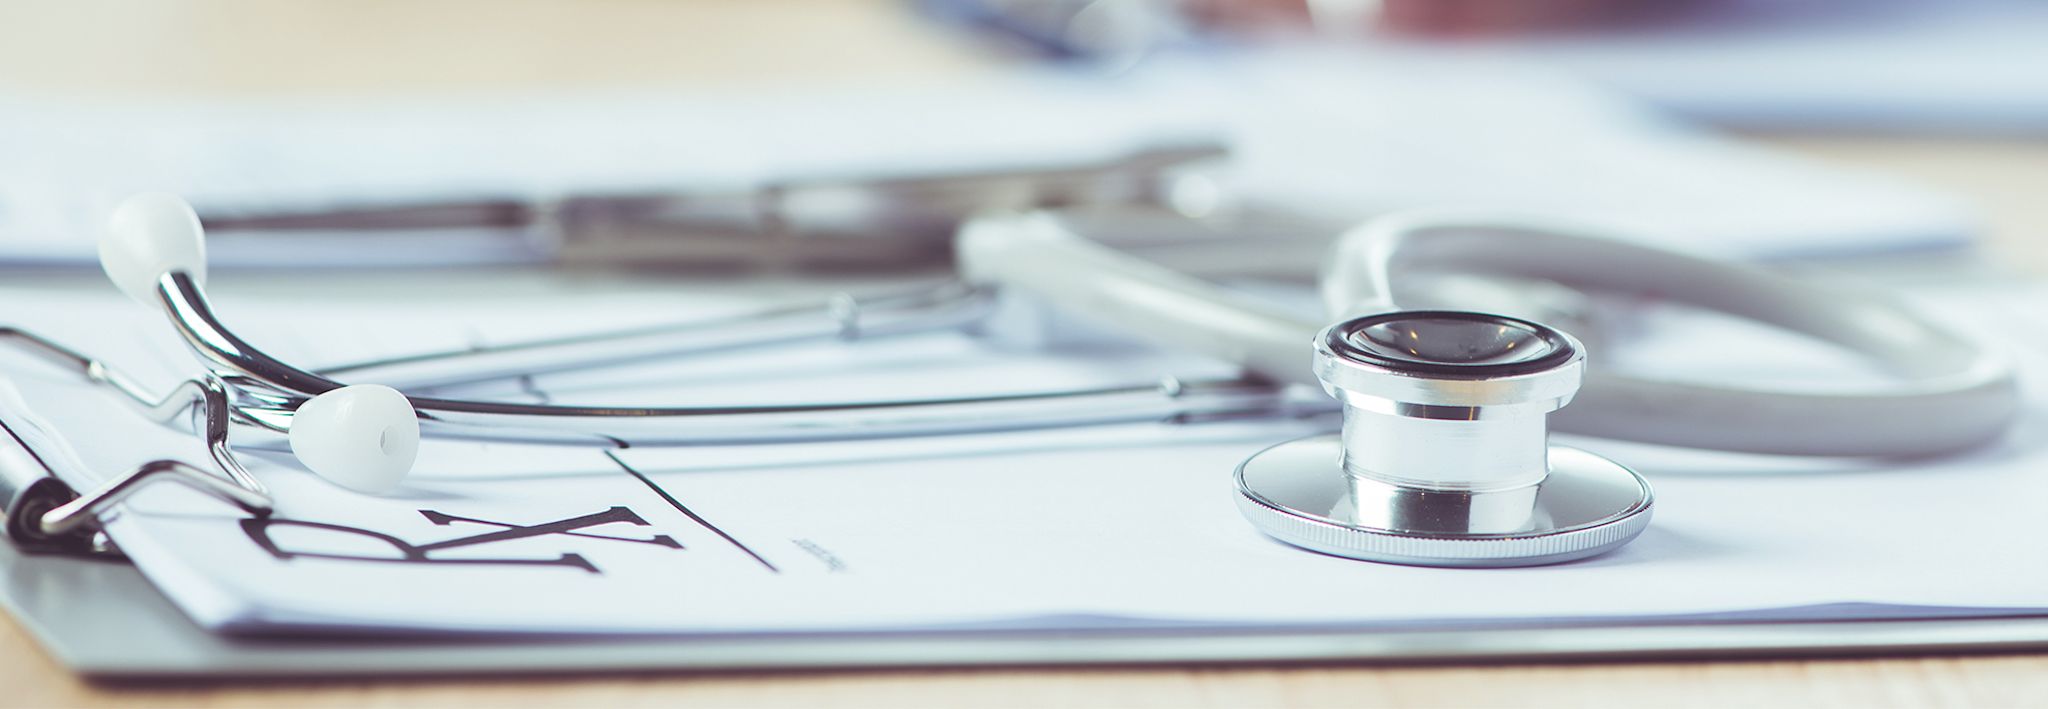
column 1444, row 458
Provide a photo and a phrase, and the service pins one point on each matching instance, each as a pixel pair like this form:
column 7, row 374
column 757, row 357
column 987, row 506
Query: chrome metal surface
column 45, row 514
column 1442, row 373
column 212, row 417
column 43, row 347
column 208, row 401
column 85, row 512
column 1446, row 400
column 161, row 409
column 1586, row 506
column 1444, row 458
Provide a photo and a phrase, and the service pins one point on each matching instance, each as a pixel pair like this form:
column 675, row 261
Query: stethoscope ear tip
column 151, row 234
column 363, row 437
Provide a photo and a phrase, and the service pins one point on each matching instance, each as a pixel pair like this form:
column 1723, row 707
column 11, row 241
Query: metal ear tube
column 1444, row 458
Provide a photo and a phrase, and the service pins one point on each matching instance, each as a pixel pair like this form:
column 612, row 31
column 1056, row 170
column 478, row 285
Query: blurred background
column 832, row 136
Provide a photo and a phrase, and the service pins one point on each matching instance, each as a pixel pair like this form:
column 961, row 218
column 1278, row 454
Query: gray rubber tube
column 1952, row 393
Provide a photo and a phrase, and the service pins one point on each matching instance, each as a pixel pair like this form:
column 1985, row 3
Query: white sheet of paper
column 1331, row 132
column 1088, row 529
column 1893, row 66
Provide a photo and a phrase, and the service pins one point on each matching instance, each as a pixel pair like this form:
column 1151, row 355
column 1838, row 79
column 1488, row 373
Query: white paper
column 1120, row 527
column 1357, row 132
column 1339, row 133
column 1894, row 65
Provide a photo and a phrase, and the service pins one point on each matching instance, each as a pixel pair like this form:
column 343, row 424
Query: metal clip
column 41, row 513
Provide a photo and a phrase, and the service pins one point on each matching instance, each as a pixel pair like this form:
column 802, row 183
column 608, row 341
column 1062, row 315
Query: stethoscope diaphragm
column 1444, row 458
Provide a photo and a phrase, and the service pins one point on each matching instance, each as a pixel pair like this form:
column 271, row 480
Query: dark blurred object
column 1070, row 29
column 1914, row 66
column 1482, row 17
column 1092, row 29
column 868, row 221
column 1434, row 18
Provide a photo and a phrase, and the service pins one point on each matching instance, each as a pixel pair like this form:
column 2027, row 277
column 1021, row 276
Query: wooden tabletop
column 210, row 47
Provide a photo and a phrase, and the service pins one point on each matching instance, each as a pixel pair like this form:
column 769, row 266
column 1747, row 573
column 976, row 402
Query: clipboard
column 100, row 617
column 103, row 620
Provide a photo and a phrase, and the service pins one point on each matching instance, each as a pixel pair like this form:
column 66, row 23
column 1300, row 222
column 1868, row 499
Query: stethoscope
column 1443, row 458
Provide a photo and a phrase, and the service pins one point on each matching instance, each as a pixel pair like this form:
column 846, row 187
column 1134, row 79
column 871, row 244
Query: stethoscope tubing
column 270, row 388
column 1953, row 393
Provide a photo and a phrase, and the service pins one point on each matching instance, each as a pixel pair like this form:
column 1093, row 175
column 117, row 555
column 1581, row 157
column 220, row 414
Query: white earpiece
column 150, row 234
column 362, row 437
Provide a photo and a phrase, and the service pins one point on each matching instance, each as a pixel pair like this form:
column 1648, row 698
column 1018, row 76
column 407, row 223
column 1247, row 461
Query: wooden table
column 202, row 47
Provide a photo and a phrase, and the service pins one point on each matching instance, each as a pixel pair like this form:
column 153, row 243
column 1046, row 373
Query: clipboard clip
column 45, row 515
column 40, row 513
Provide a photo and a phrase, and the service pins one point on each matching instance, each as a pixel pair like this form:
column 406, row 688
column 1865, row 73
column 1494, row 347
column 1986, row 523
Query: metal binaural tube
column 282, row 386
column 939, row 307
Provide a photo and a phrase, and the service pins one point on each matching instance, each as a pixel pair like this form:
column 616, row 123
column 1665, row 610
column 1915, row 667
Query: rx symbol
column 259, row 531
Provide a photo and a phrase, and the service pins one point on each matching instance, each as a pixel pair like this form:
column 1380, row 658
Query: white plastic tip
column 362, row 437
column 149, row 235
